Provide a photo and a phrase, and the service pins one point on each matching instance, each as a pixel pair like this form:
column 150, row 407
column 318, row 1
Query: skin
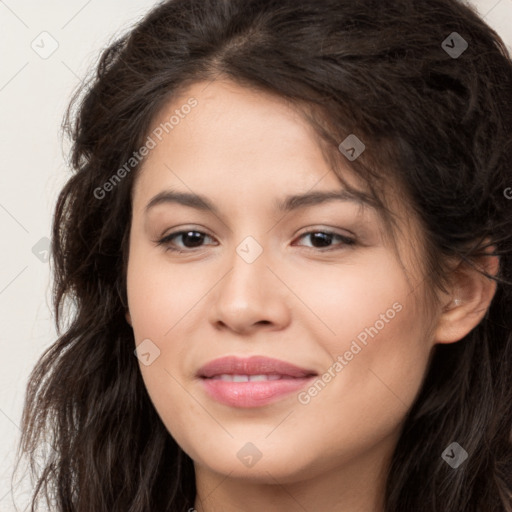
column 244, row 150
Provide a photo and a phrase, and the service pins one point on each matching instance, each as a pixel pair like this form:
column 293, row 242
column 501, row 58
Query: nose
column 250, row 297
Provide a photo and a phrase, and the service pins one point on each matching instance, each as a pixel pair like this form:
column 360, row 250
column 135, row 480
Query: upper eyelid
column 183, row 231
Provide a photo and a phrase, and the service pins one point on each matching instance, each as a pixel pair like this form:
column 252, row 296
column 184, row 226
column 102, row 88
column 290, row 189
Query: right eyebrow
column 196, row 201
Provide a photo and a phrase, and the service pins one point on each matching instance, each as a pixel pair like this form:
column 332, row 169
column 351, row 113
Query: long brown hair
column 438, row 123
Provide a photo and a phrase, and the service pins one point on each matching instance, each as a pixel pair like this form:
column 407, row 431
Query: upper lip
column 255, row 365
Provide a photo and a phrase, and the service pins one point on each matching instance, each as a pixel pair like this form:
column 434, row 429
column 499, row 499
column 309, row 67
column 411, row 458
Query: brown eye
column 190, row 239
column 322, row 239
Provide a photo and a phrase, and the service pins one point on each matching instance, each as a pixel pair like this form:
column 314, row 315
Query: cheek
column 371, row 326
column 160, row 295
column 374, row 385
column 163, row 301
column 347, row 298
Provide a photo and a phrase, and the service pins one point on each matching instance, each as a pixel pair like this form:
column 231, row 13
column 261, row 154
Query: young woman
column 286, row 254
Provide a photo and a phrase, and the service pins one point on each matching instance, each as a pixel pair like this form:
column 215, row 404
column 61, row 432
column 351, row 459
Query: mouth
column 252, row 382
column 226, row 377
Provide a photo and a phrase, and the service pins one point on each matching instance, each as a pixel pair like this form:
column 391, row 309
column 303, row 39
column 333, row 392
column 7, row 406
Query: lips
column 252, row 382
column 253, row 366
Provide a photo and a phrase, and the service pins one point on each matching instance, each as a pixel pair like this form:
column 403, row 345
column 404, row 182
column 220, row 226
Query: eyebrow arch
column 289, row 203
column 297, row 201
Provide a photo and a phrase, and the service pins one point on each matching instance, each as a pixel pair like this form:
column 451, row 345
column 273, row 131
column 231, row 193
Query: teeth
column 255, row 378
column 246, row 378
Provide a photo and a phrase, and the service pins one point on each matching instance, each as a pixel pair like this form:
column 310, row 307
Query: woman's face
column 267, row 277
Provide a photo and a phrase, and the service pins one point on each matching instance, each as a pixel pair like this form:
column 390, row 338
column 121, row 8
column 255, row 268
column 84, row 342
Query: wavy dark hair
column 437, row 124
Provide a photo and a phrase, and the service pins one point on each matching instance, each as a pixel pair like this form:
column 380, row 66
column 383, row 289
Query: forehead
column 234, row 138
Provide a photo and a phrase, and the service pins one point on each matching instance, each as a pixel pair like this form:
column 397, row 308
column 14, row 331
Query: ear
column 470, row 296
column 128, row 317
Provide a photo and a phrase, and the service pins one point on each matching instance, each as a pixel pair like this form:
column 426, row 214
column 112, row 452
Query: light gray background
column 35, row 89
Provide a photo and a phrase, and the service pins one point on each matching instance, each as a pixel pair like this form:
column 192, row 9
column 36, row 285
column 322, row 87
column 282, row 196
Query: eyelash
column 167, row 239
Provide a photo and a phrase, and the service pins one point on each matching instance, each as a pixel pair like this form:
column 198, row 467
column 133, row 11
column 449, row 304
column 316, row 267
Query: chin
column 259, row 461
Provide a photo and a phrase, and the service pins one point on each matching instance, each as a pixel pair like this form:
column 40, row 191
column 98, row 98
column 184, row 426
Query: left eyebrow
column 297, row 201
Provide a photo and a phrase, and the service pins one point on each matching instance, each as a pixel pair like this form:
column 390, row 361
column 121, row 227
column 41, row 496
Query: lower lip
column 252, row 394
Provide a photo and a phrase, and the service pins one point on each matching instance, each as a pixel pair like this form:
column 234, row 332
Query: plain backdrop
column 47, row 48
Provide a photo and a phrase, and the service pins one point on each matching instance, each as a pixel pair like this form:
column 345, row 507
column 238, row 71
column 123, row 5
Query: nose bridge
column 249, row 293
column 246, row 280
